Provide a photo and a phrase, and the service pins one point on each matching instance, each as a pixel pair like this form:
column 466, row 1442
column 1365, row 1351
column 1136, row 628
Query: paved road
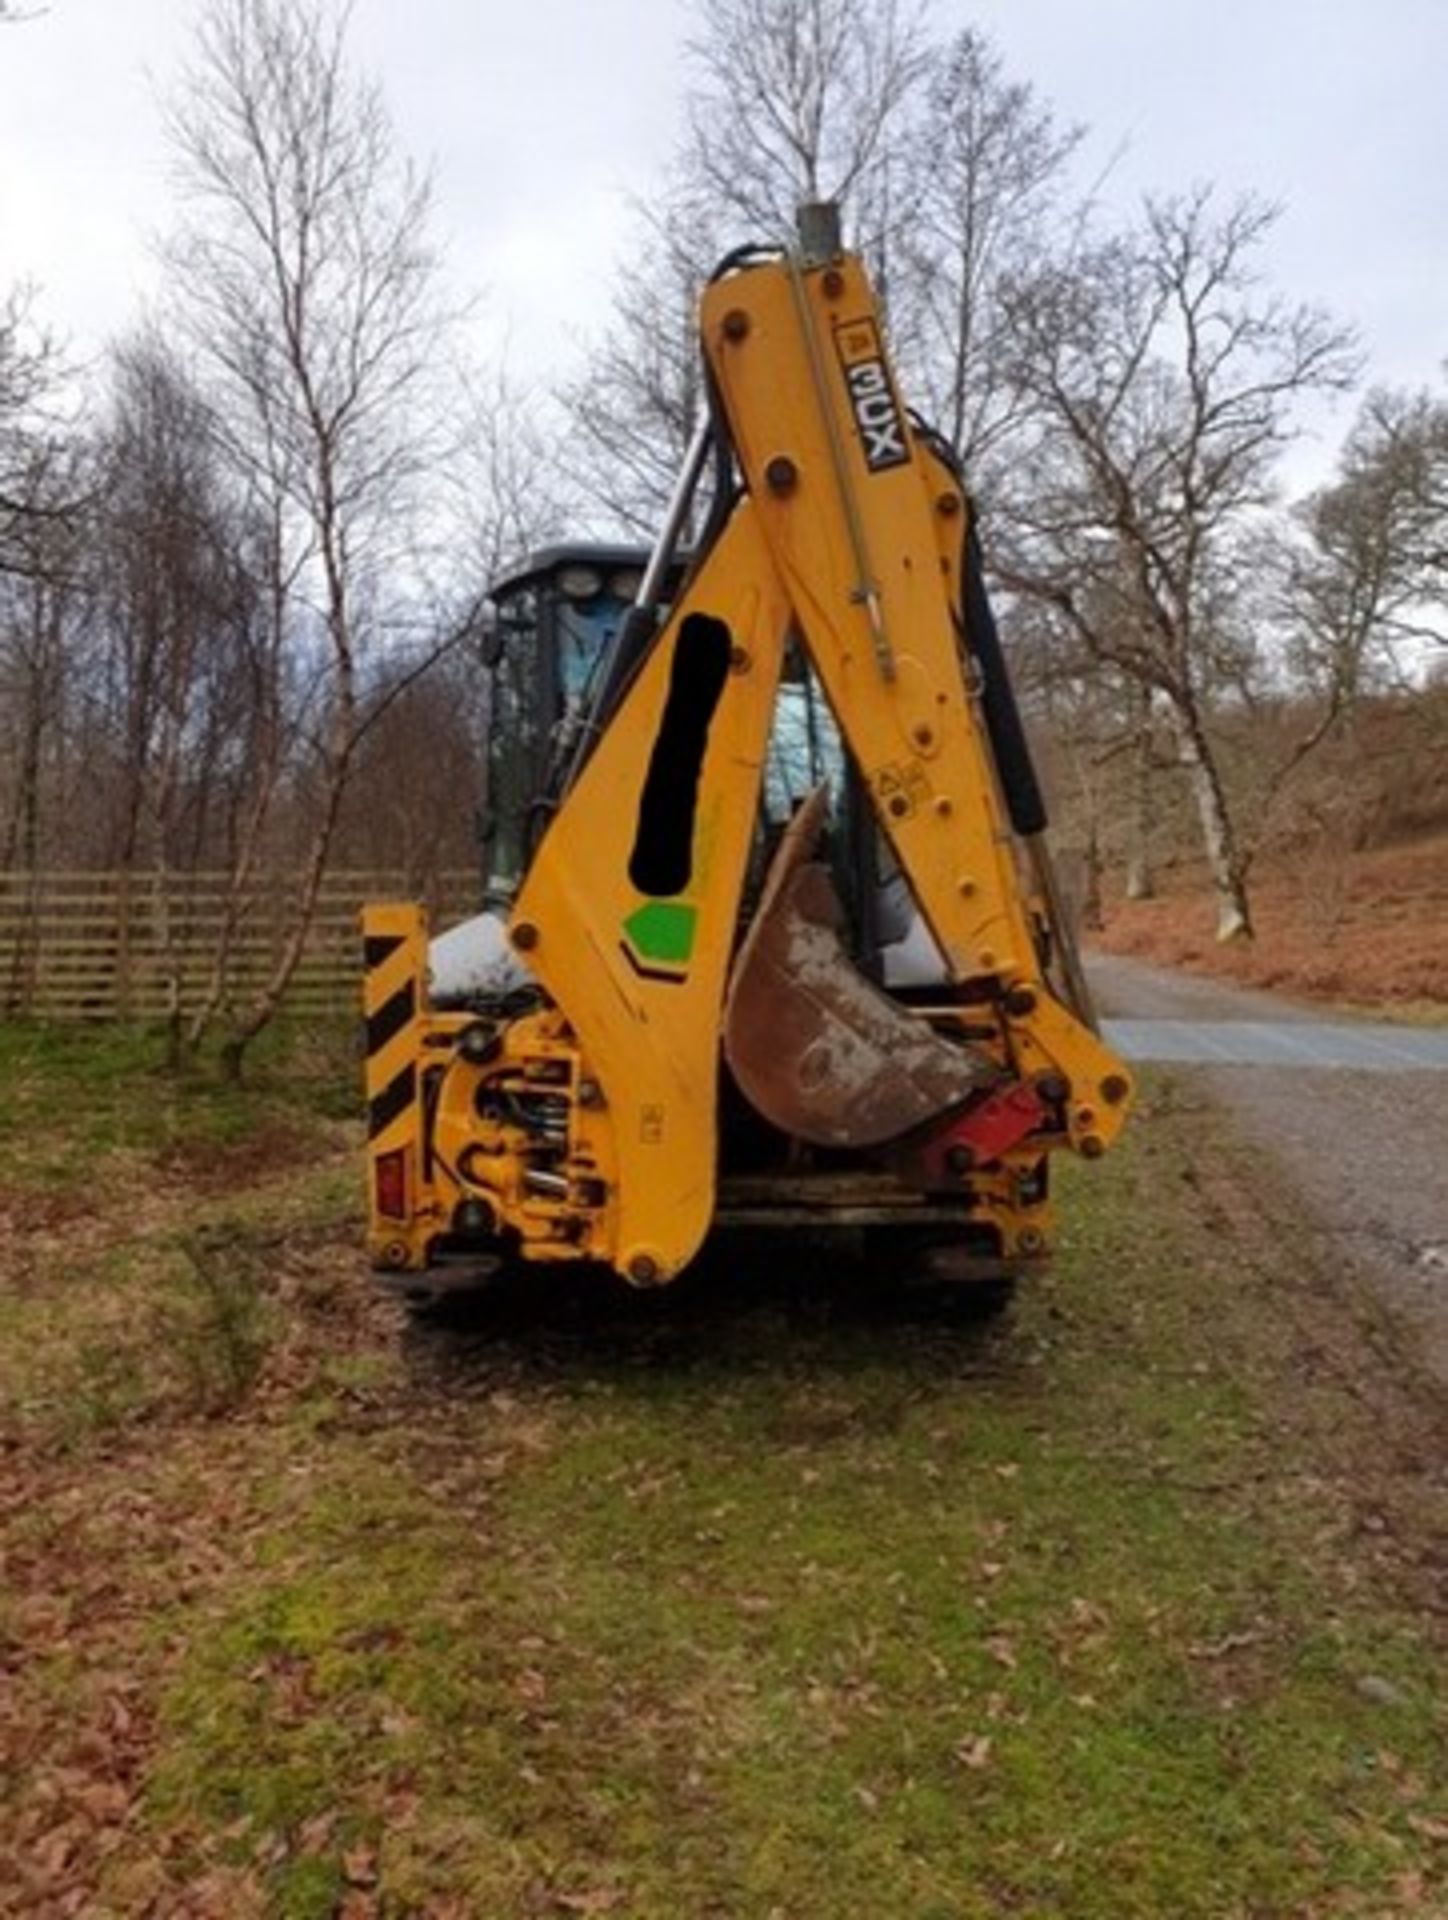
column 1368, row 1150
column 1281, row 1043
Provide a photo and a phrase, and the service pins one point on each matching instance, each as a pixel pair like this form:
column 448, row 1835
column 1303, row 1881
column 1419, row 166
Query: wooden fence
column 107, row 946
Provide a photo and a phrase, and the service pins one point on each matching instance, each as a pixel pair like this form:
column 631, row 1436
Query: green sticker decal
column 662, row 931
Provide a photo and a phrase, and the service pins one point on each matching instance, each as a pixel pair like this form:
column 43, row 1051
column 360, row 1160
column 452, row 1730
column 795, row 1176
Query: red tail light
column 389, row 1174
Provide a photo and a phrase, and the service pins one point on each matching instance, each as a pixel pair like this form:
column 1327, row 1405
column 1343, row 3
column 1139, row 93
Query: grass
column 146, row 1213
column 74, row 1094
column 767, row 1595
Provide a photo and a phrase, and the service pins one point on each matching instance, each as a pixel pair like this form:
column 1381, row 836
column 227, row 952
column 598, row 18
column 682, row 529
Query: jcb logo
column 877, row 415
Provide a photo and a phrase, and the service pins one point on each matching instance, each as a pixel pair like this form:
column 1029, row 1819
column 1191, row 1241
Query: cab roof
column 605, row 555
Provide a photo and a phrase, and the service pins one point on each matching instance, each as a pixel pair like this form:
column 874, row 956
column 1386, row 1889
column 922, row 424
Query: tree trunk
column 1234, row 915
column 245, row 852
column 1140, row 884
column 22, row 855
column 1140, row 881
column 1093, row 912
column 267, row 1003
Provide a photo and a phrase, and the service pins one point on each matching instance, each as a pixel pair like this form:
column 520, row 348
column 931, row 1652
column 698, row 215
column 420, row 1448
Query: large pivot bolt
column 781, row 475
column 479, row 1042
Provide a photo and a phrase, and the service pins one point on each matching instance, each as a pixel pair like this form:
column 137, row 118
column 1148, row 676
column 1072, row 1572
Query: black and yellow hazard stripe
column 388, row 1092
column 394, row 957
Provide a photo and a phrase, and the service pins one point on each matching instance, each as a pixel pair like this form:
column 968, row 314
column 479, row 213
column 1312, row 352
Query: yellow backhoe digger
column 771, row 937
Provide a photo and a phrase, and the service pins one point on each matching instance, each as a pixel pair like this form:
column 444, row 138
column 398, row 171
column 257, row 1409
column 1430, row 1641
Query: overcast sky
column 540, row 116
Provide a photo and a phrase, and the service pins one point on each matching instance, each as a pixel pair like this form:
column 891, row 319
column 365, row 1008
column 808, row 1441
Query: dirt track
column 1368, row 1152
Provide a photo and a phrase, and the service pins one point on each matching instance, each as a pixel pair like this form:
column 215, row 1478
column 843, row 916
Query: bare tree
column 44, row 484
column 788, row 100
column 1165, row 387
column 39, row 480
column 803, row 100
column 158, row 565
column 504, row 477
column 41, row 601
column 1369, row 576
column 991, row 162
column 633, row 408
column 412, row 808
column 165, row 566
column 306, row 281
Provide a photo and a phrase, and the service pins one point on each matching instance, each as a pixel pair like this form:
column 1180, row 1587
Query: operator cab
column 557, row 616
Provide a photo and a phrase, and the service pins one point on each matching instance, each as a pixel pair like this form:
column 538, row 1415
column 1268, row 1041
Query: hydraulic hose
column 1021, row 788
column 1017, row 773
